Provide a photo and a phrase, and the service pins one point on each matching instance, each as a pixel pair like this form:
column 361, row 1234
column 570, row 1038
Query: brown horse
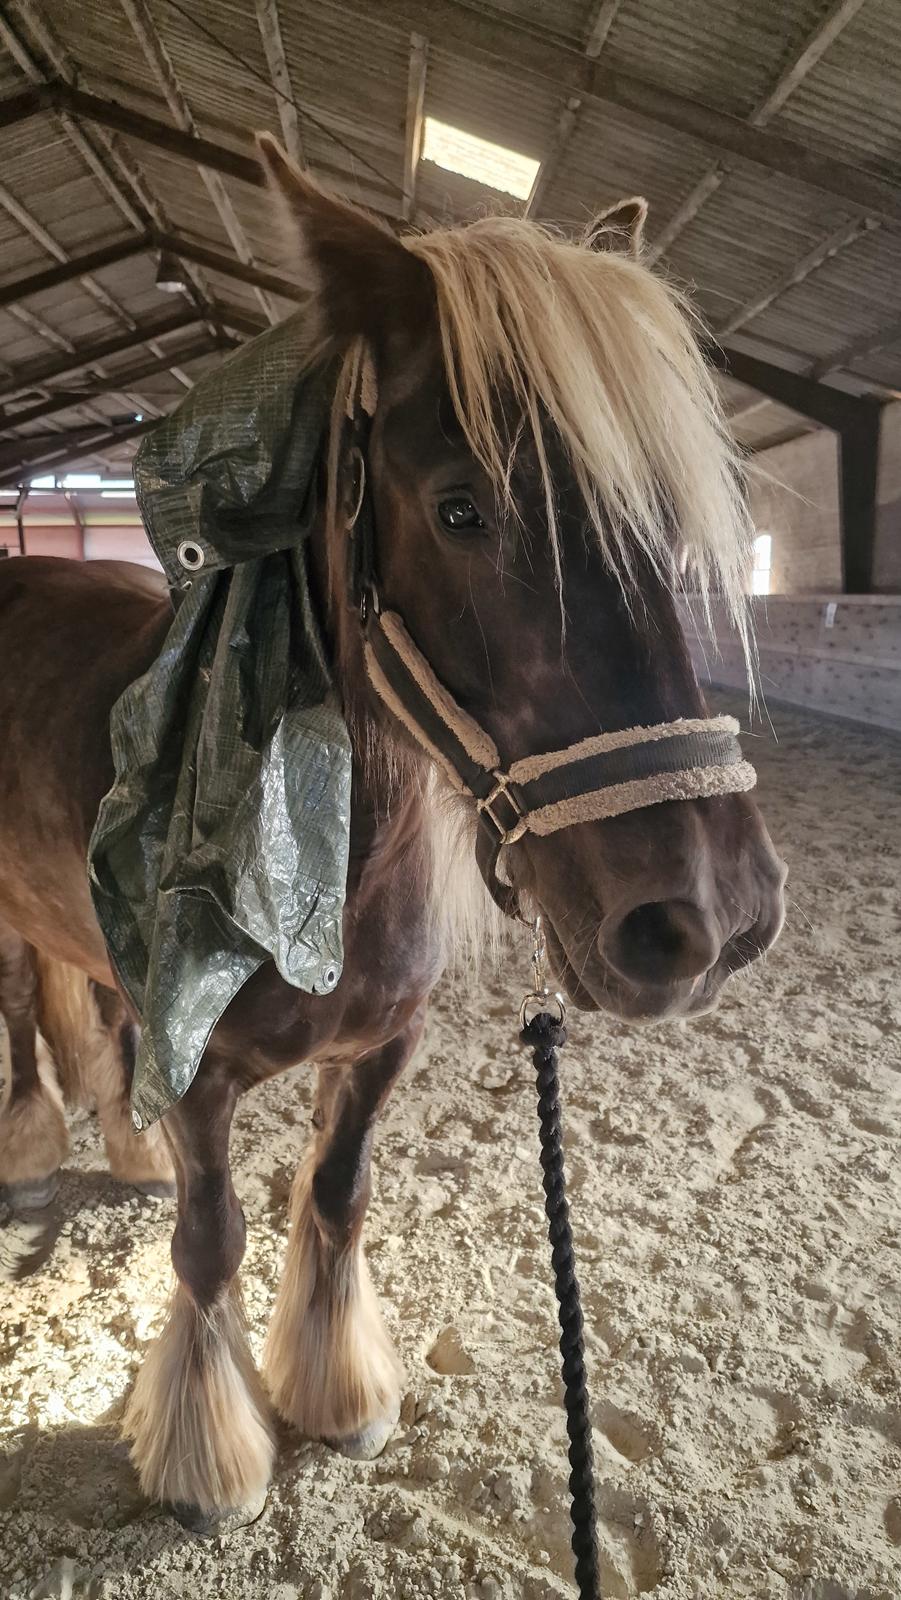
column 545, row 451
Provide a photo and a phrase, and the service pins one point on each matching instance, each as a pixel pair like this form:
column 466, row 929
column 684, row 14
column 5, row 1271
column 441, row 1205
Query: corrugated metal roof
column 349, row 71
column 728, row 54
column 851, row 104
column 611, row 155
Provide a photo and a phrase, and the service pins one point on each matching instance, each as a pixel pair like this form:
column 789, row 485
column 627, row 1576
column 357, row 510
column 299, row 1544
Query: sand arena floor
column 735, row 1188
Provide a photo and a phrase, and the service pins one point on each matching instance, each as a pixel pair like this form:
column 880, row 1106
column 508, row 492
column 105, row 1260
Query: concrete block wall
column 830, row 652
column 794, row 490
column 795, row 497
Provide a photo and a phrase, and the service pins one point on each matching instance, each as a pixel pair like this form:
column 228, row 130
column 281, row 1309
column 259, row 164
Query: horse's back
column 76, row 586
column 73, row 635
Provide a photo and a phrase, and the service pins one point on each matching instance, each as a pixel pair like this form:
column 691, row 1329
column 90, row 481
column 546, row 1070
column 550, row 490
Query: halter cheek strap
column 602, row 776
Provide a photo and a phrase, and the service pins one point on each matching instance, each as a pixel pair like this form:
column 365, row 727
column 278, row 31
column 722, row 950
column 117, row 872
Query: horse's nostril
column 663, row 941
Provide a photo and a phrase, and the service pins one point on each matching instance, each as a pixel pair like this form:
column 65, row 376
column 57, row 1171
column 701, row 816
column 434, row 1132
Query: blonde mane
column 592, row 343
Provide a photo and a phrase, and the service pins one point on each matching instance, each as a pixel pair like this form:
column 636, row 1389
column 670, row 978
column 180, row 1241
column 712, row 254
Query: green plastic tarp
column 223, row 842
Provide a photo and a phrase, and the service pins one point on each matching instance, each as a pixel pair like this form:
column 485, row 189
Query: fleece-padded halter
column 601, row 776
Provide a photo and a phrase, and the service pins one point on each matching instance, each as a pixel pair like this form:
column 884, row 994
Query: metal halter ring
column 542, row 1000
column 356, row 456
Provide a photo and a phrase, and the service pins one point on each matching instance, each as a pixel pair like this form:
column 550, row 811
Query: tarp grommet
column 191, row 555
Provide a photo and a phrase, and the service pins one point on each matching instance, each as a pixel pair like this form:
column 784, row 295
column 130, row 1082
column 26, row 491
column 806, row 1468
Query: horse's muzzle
column 662, row 959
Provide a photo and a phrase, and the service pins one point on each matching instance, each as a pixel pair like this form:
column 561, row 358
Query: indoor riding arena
column 450, row 799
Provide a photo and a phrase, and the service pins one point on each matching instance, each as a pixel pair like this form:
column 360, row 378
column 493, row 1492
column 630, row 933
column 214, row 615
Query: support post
column 20, row 517
column 858, row 485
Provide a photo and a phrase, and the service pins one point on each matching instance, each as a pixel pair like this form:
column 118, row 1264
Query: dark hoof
column 369, row 1441
column 209, row 1524
column 156, row 1189
column 32, row 1194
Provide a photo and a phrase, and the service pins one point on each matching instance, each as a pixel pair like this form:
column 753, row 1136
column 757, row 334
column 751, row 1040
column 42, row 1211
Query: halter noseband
column 604, row 775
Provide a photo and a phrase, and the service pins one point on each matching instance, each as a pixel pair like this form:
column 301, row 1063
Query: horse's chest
column 392, row 960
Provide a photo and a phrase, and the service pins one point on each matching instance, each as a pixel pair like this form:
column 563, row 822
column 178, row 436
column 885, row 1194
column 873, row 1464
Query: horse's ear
column 364, row 279
column 620, row 228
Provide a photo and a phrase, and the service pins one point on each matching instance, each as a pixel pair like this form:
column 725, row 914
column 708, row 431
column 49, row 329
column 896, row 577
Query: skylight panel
column 508, row 171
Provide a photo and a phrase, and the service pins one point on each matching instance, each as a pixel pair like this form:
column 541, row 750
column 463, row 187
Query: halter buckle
column 501, row 791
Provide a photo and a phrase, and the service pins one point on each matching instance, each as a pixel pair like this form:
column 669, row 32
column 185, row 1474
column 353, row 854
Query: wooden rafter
column 849, row 233
column 824, row 34
column 532, row 53
column 71, row 451
column 416, row 80
column 793, row 74
column 123, row 186
column 36, row 231
column 184, row 249
column 856, row 349
column 75, row 360
column 217, row 261
column 64, row 401
column 831, row 408
column 277, row 62
column 159, row 59
column 74, row 267
column 857, row 420
column 60, row 341
column 163, row 136
column 602, row 20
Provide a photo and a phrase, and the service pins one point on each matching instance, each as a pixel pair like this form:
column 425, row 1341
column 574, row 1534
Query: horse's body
column 647, row 913
column 108, row 622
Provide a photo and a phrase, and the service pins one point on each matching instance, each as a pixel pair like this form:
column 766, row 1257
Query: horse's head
column 545, row 456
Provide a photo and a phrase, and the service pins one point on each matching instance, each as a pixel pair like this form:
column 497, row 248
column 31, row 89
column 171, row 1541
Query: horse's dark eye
column 459, row 515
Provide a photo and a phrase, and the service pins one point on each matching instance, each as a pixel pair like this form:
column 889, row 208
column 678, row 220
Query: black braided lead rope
column 546, row 1034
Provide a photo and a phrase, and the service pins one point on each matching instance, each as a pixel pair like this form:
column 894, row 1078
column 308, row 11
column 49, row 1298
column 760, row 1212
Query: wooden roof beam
column 550, row 164
column 602, row 20
column 65, row 401
column 120, row 180
column 173, row 141
column 78, row 360
column 277, row 62
column 832, row 408
column 858, row 421
column 74, row 267
column 791, row 76
column 69, row 451
column 60, row 341
column 160, row 61
column 217, row 261
column 20, row 106
column 532, row 53
column 849, row 233
column 857, row 349
column 184, row 249
column 98, row 293
column 824, row 34
column 416, row 80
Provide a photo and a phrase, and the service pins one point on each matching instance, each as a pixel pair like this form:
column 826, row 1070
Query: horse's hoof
column 209, row 1524
column 31, row 1194
column 370, row 1440
column 156, row 1189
